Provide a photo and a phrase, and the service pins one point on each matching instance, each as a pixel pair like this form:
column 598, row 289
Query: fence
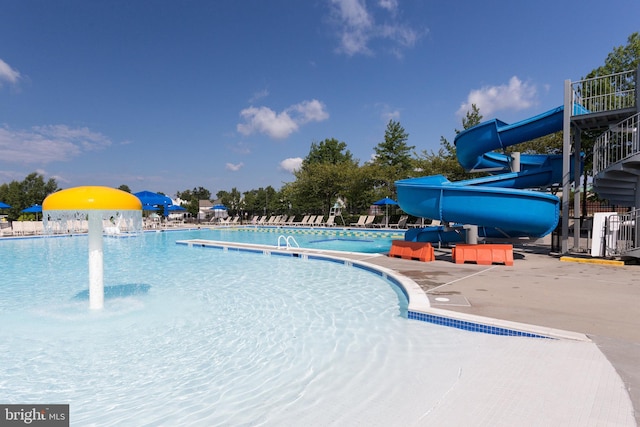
column 624, row 235
column 605, row 93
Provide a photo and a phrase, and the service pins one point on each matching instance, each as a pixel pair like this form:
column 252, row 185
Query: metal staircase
column 613, row 103
column 616, row 163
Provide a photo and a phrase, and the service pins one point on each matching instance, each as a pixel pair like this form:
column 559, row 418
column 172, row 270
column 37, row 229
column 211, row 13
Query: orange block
column 483, row 254
column 420, row 251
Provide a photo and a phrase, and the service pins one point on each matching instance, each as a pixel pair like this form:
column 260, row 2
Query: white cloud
column 8, row 74
column 45, row 144
column 358, row 27
column 515, row 95
column 234, row 168
column 259, row 95
column 281, row 125
column 291, row 164
column 390, row 5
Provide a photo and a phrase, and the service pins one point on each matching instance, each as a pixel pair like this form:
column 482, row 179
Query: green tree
column 323, row 177
column 193, row 197
column 393, row 157
column 329, row 151
column 445, row 160
column 622, row 58
column 33, row 189
column 124, row 187
column 231, row 199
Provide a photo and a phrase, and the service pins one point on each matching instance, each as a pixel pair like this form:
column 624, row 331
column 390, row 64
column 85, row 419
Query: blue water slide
column 499, row 204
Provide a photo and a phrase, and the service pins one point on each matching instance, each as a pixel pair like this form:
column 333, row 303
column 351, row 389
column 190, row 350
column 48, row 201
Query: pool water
column 338, row 239
column 202, row 337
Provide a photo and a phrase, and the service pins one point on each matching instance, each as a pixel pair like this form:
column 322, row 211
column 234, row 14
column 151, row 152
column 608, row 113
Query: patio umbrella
column 4, row 206
column 219, row 211
column 149, row 208
column 386, row 202
column 154, row 199
column 33, row 209
column 176, row 208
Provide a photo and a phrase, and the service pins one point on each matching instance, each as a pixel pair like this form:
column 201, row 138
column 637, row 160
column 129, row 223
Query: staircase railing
column 624, row 232
column 606, row 93
column 620, row 142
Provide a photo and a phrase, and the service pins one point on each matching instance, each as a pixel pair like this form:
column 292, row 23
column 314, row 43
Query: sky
column 168, row 96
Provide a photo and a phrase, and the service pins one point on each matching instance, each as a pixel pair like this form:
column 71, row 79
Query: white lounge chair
column 402, row 222
column 361, row 221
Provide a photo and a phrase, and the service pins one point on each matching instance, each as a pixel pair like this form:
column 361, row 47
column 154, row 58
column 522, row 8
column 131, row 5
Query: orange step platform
column 419, row 251
column 483, row 254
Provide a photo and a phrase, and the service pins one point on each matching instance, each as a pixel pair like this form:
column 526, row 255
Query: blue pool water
column 338, row 239
column 202, row 337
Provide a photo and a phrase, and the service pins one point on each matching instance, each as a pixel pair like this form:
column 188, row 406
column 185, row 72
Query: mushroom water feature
column 95, row 204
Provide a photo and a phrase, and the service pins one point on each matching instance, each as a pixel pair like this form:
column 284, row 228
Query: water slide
column 501, row 204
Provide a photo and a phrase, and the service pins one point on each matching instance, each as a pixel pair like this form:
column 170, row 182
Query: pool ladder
column 287, row 241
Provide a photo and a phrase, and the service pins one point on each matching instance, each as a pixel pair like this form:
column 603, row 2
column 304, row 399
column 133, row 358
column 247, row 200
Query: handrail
column 606, row 93
column 625, row 233
column 289, row 242
column 619, row 143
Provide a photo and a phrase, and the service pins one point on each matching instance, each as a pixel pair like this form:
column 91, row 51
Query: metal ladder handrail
column 619, row 143
column 624, row 232
column 289, row 241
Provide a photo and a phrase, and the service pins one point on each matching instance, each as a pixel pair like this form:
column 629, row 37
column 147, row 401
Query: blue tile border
column 469, row 326
column 412, row 315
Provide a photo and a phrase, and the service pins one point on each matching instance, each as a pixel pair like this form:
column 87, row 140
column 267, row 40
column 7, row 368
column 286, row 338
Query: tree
column 232, row 200
column 393, row 157
column 445, row 160
column 124, row 187
column 193, row 197
column 324, row 175
column 328, row 151
column 33, row 189
column 622, row 58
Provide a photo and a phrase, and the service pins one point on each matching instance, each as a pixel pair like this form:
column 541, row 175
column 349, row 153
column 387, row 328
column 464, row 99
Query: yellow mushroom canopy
column 91, row 198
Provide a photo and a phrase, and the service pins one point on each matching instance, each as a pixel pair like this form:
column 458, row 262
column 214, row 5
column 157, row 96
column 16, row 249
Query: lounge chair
column 369, row 221
column 290, row 221
column 402, row 222
column 330, row 221
column 303, row 221
column 361, row 221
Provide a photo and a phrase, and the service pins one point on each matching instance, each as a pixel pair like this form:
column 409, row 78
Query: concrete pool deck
column 599, row 300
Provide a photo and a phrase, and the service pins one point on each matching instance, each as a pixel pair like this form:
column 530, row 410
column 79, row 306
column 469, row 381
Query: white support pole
column 472, row 234
column 96, row 268
column 576, row 185
column 566, row 159
column 515, row 162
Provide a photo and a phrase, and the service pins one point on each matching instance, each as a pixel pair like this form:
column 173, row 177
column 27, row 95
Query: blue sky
column 171, row 95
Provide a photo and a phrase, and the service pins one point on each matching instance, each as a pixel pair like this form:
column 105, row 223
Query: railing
column 618, row 143
column 606, row 93
column 623, row 232
column 287, row 242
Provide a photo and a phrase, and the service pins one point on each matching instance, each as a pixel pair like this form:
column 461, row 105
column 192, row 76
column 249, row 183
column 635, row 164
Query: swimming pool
column 337, row 239
column 193, row 336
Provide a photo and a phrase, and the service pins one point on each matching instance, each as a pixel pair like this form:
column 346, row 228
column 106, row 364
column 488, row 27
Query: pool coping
column 419, row 307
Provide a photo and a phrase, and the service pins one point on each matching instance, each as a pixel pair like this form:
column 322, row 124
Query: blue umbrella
column 386, row 202
column 33, row 209
column 154, row 199
column 149, row 208
column 219, row 211
column 36, row 209
column 4, row 206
